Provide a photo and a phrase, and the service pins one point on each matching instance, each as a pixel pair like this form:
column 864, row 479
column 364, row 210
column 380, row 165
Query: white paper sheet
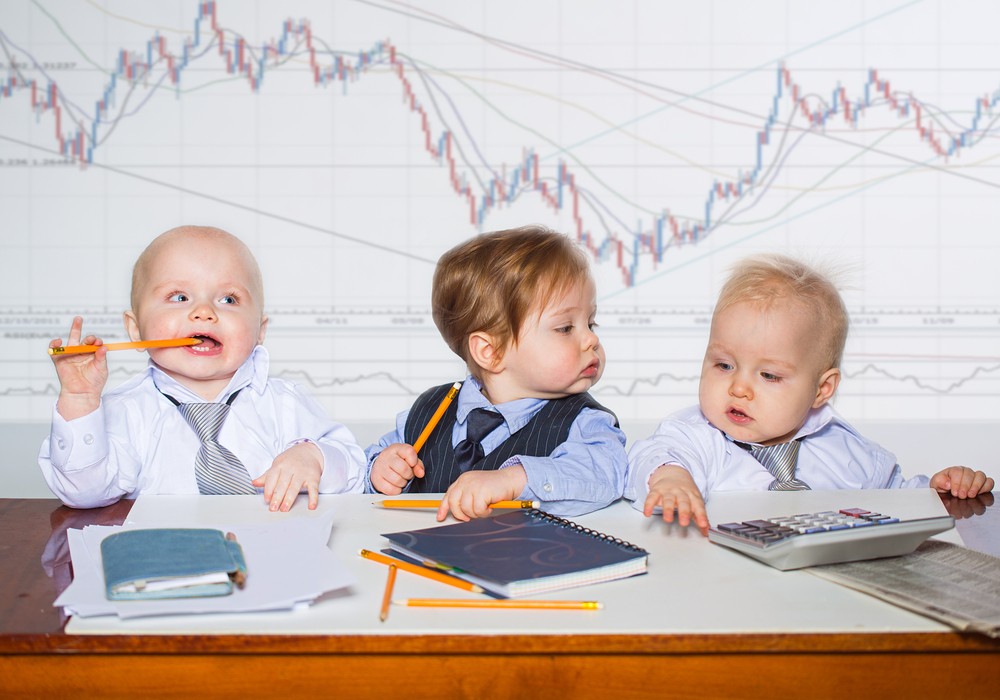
column 288, row 564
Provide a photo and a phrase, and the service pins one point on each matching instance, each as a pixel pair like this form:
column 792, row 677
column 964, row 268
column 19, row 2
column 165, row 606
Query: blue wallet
column 171, row 563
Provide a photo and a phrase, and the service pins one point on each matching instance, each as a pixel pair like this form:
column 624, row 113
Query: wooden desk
column 39, row 659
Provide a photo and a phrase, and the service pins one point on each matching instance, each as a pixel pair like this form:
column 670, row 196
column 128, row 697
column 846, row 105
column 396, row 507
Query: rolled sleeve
column 82, row 442
column 343, row 459
column 675, row 442
column 75, row 461
column 583, row 474
column 373, row 451
column 343, row 463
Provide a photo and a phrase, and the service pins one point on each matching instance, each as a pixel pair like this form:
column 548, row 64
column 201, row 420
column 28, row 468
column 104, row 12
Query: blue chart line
column 79, row 131
column 663, row 383
column 351, row 142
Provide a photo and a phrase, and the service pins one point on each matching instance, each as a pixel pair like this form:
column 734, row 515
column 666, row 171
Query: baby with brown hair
column 518, row 306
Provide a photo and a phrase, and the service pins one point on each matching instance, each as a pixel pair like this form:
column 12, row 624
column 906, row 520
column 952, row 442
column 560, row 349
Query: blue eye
column 724, row 366
column 768, row 377
column 178, row 296
column 228, row 299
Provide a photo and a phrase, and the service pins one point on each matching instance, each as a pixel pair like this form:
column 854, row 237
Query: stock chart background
column 350, row 143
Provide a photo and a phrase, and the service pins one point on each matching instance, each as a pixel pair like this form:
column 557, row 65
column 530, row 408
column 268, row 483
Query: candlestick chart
column 351, row 143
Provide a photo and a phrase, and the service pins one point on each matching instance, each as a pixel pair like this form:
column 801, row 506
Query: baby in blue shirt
column 763, row 419
column 518, row 307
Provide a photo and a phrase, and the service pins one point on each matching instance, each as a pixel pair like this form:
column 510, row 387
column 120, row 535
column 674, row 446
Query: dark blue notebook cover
column 522, row 552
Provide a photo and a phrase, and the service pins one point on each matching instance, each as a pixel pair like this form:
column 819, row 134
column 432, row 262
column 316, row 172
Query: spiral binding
column 563, row 522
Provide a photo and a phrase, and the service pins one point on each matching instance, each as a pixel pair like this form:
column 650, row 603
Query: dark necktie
column 780, row 461
column 217, row 470
column 480, row 423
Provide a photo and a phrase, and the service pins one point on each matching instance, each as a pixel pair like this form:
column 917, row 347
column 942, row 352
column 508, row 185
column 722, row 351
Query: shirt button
column 547, row 488
column 88, row 439
column 61, row 444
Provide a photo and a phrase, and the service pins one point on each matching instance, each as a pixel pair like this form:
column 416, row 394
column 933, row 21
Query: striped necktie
column 780, row 461
column 218, row 471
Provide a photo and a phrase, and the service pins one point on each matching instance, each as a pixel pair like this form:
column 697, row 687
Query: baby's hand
column 394, row 467
column 472, row 493
column 672, row 488
column 81, row 376
column 961, row 482
column 297, row 468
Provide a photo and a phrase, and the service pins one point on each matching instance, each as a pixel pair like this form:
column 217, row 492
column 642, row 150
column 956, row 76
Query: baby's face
column 201, row 287
column 762, row 369
column 557, row 353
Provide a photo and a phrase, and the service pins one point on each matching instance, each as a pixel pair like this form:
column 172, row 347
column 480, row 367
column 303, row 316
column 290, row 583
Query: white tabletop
column 693, row 586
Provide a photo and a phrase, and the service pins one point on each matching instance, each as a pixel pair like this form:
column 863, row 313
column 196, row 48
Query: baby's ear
column 483, row 351
column 132, row 326
column 263, row 329
column 827, row 387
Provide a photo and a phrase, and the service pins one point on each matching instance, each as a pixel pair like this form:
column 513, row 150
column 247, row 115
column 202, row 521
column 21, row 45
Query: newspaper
column 944, row 581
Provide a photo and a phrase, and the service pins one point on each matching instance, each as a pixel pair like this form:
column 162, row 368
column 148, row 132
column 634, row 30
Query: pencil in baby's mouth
column 140, row 345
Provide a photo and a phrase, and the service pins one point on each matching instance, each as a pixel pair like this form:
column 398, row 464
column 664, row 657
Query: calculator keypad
column 774, row 530
column 827, row 537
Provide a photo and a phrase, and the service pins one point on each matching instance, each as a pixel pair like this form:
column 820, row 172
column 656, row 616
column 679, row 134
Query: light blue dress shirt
column 583, row 474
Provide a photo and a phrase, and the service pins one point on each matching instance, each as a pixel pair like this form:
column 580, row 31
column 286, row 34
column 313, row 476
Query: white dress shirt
column 832, row 455
column 138, row 442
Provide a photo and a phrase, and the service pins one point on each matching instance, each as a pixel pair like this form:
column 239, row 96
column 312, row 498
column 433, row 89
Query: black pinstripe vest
column 544, row 432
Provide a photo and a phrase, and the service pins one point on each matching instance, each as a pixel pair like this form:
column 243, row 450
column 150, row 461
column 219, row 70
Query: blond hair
column 765, row 279
column 493, row 281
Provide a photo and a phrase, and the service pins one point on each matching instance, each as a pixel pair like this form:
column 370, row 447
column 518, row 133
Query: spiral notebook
column 522, row 553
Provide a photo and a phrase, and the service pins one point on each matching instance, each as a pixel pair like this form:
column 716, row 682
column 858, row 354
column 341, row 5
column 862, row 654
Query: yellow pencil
column 432, row 423
column 421, row 571
column 387, row 596
column 140, row 345
column 414, row 503
column 490, row 603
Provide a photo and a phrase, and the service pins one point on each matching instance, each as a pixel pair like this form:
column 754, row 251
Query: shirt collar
column 817, row 419
column 516, row 413
column 470, row 397
column 253, row 373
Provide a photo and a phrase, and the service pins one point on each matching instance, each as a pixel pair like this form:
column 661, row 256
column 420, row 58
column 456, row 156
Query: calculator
column 829, row 537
